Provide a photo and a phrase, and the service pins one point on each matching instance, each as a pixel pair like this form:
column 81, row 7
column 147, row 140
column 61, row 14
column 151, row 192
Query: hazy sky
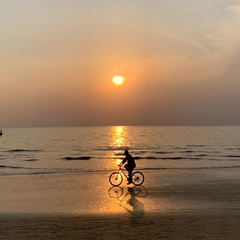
column 180, row 59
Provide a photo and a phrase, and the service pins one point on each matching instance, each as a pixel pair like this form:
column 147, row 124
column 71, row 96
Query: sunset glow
column 150, row 63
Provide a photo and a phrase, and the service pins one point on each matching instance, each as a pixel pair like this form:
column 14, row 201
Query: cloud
column 235, row 8
column 225, row 39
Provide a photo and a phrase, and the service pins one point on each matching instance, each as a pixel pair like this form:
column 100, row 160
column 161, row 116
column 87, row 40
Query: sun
column 118, row 80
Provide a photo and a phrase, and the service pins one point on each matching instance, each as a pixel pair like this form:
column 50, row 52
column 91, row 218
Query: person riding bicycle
column 130, row 164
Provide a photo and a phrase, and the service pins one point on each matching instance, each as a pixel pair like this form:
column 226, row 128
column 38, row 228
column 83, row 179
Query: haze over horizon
column 179, row 60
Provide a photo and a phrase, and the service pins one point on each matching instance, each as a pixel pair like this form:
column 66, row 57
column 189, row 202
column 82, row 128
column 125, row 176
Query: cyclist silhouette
column 129, row 166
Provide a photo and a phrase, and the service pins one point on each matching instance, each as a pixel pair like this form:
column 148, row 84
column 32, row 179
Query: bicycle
column 116, row 178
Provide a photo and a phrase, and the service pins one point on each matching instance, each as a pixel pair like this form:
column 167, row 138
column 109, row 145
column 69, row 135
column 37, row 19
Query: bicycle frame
column 123, row 171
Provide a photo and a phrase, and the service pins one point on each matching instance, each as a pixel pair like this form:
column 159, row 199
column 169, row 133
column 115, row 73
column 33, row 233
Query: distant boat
column 1, row 133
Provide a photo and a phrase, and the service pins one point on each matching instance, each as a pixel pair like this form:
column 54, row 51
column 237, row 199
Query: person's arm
column 123, row 161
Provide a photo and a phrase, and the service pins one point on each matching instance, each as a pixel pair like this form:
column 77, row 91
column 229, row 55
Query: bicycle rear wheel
column 115, row 178
column 137, row 178
column 140, row 191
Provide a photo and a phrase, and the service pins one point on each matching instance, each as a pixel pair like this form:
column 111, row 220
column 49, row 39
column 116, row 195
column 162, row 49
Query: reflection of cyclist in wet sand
column 137, row 206
column 134, row 207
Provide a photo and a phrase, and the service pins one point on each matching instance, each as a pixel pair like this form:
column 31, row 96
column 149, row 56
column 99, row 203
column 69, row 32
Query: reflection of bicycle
column 116, row 178
column 128, row 199
column 117, row 192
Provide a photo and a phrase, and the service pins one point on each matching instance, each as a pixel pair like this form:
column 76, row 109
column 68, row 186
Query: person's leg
column 130, row 174
column 129, row 169
column 126, row 167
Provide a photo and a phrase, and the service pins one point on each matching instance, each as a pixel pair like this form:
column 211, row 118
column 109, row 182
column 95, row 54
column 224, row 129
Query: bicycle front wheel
column 115, row 178
column 137, row 178
column 115, row 192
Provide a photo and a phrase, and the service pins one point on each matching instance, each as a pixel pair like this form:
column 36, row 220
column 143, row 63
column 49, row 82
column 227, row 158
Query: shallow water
column 50, row 150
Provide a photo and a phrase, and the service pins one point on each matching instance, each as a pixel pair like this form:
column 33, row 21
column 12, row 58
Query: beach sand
column 171, row 204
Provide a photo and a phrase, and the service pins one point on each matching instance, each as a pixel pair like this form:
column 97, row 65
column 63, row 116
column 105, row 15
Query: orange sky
column 179, row 59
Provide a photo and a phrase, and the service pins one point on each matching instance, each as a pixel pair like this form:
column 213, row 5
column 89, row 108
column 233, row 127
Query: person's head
column 126, row 152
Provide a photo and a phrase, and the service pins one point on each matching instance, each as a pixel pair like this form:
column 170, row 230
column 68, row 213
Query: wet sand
column 172, row 204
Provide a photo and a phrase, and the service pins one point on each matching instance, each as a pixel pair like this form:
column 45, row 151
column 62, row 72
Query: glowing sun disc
column 118, row 80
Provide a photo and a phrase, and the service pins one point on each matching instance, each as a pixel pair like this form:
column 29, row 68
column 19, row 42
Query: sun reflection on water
column 119, row 142
column 119, row 137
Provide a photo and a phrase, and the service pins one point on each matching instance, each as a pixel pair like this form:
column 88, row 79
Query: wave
column 199, row 145
column 173, row 158
column 77, row 158
column 119, row 153
column 189, row 168
column 194, row 157
column 109, row 148
column 5, row 166
column 147, row 157
column 187, row 151
column 6, row 169
column 23, row 150
column 121, row 149
column 31, row 160
column 168, row 158
column 162, row 152
column 232, row 156
column 142, row 169
column 181, row 158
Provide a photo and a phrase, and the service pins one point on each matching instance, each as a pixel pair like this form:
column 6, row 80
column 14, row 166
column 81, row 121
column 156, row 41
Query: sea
column 98, row 149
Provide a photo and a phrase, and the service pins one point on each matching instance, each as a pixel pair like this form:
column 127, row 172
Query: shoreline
column 171, row 204
column 105, row 171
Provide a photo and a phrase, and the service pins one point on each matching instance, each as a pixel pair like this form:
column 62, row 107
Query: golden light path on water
column 119, row 140
column 118, row 136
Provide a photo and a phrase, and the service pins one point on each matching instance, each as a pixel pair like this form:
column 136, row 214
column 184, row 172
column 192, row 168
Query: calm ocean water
column 52, row 150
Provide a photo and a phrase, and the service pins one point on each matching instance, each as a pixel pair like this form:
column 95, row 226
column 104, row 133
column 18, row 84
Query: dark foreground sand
column 154, row 226
column 196, row 204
